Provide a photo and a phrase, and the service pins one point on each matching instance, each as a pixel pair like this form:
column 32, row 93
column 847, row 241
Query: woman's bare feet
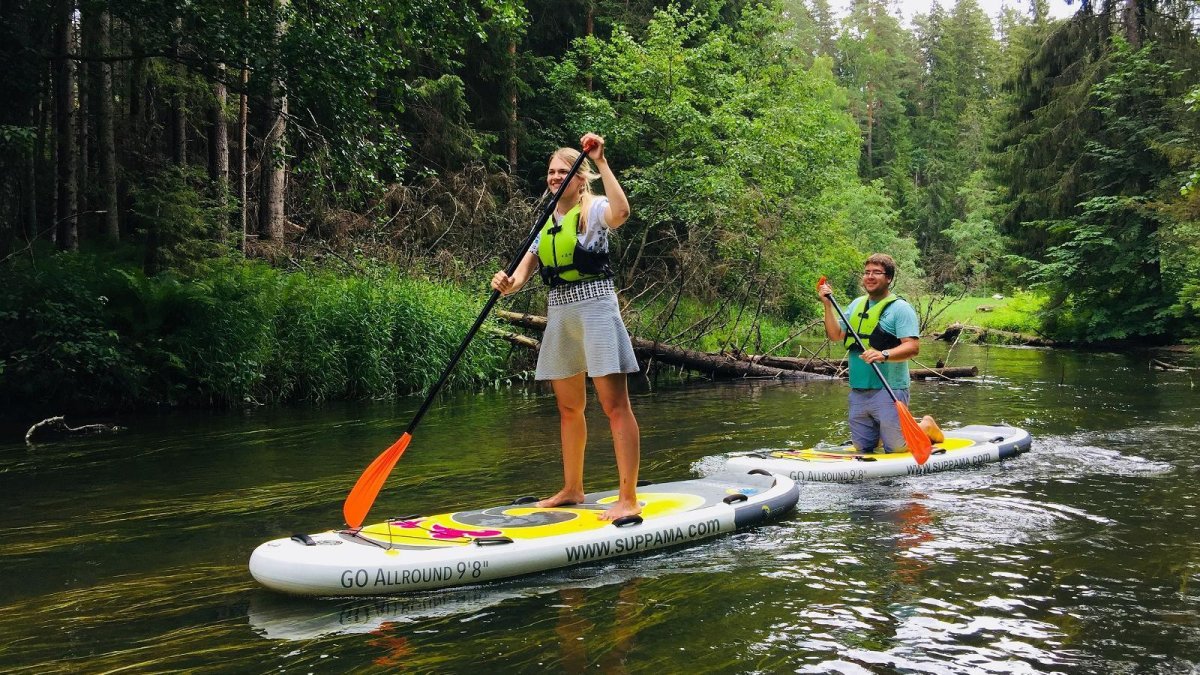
column 620, row 510
column 563, row 498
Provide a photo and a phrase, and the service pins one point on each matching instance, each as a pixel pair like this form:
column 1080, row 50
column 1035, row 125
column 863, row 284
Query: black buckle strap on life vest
column 552, row 276
column 583, row 261
column 879, row 338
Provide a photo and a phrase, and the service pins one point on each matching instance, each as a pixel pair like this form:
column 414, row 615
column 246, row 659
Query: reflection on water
column 1081, row 556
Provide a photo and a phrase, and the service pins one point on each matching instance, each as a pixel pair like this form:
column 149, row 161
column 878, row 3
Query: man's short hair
column 885, row 261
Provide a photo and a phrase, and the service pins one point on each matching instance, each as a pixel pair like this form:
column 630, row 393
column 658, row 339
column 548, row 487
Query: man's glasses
column 874, row 273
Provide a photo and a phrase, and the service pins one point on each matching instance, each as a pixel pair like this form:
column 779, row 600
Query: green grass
column 1017, row 313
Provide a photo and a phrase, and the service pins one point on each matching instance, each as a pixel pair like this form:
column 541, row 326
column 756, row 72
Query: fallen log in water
column 718, row 365
column 993, row 336
column 818, row 365
column 837, row 367
column 1171, row 367
column 947, row 373
column 725, row 365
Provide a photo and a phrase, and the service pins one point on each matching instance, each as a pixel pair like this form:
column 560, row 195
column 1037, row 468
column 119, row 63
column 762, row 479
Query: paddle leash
column 364, row 492
column 918, row 442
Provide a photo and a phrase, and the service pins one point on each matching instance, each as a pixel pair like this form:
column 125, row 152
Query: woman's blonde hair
column 569, row 155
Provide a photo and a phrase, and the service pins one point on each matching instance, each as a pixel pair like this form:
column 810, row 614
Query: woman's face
column 555, row 174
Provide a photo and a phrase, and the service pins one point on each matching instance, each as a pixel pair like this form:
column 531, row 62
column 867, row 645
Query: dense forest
column 217, row 202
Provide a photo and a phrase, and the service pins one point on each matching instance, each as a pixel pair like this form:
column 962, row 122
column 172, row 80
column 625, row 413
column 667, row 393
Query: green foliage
column 1097, row 147
column 960, row 60
column 1103, row 267
column 56, row 340
column 740, row 158
column 976, row 247
column 231, row 333
column 184, row 221
column 16, row 139
column 1179, row 238
column 437, row 112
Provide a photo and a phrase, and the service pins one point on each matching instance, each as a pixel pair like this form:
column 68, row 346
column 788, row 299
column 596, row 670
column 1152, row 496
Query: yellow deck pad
column 849, row 453
column 518, row 521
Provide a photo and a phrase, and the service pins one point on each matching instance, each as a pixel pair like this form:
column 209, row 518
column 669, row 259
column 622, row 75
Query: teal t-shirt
column 900, row 320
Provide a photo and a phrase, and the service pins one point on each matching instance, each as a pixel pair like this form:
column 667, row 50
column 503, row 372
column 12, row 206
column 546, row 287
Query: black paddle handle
column 487, row 308
column 859, row 342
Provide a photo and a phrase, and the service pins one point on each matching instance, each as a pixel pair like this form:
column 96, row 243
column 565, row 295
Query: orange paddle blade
column 364, row 492
column 914, row 436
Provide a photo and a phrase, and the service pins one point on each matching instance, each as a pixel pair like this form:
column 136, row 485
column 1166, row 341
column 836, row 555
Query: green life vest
column 563, row 260
column 866, row 324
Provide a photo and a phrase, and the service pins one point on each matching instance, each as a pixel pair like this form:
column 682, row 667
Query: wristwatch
column 886, row 355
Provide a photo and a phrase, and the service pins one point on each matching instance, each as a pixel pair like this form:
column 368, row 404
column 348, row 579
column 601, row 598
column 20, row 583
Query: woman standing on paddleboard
column 585, row 335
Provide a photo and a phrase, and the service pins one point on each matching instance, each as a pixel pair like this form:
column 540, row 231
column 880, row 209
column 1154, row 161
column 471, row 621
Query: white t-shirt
column 595, row 237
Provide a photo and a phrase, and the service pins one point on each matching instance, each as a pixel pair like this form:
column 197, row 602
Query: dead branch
column 57, row 426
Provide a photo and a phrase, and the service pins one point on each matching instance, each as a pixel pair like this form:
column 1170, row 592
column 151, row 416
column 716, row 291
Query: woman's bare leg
column 571, row 395
column 613, row 392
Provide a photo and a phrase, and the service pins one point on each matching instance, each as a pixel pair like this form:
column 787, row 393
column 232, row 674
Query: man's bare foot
column 563, row 498
column 620, row 510
column 932, row 430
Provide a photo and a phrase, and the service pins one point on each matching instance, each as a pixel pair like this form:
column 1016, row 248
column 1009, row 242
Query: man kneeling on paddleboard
column 889, row 331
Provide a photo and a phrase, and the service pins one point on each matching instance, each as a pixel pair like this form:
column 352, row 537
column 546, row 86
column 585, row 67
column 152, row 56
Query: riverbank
column 87, row 334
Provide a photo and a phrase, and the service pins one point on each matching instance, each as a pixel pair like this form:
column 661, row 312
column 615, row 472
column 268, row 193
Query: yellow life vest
column 866, row 324
column 563, row 260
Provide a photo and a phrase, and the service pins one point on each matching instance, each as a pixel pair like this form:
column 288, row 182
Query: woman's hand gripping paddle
column 364, row 492
column 914, row 436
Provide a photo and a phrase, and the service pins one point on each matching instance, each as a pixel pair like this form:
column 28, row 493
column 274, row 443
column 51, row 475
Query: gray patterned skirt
column 585, row 335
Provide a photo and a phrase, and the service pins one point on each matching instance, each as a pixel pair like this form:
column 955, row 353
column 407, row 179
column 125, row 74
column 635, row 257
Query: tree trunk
column 512, row 107
column 218, row 146
column 137, row 104
column 588, row 29
column 106, row 139
column 243, row 119
column 83, row 45
column 30, row 220
column 870, row 129
column 718, row 365
column 179, row 107
column 64, row 101
column 274, row 163
column 47, row 164
column 1131, row 17
column 817, row 365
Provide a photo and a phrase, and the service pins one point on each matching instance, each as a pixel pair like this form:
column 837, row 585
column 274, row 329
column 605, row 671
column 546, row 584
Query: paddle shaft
column 859, row 342
column 487, row 308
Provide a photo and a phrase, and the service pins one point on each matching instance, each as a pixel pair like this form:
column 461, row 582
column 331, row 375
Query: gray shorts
column 872, row 416
column 585, row 335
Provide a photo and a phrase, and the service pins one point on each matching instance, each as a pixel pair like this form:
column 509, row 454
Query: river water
column 129, row 552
